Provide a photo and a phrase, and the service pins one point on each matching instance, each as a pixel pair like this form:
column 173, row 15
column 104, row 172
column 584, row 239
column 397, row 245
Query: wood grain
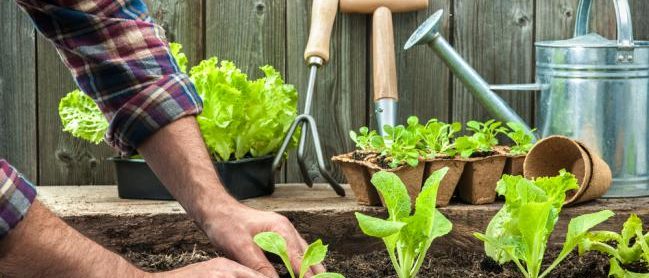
column 18, row 139
column 497, row 39
column 341, row 86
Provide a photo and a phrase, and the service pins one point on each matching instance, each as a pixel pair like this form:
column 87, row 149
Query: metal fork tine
column 301, row 154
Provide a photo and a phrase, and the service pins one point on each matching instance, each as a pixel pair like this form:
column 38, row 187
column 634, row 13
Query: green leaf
column 82, row 118
column 181, row 58
column 376, row 227
column 329, row 275
column 394, row 193
column 534, row 233
column 274, row 243
column 314, row 254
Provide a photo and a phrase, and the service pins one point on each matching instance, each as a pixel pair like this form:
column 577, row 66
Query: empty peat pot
column 244, row 178
column 552, row 154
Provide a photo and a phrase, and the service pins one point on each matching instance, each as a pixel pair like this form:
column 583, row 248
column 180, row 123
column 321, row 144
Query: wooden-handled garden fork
column 323, row 14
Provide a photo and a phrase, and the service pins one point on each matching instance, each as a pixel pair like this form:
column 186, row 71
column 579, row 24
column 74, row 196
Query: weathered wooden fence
column 496, row 36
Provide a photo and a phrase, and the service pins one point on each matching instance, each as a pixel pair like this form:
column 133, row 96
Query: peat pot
column 245, row 178
column 591, row 89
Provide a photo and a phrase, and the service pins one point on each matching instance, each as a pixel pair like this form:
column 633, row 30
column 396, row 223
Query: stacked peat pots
column 415, row 151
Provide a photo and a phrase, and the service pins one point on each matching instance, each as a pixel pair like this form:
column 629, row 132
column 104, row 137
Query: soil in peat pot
column 377, row 264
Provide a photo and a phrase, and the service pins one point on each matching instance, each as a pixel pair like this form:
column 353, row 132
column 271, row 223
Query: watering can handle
column 624, row 24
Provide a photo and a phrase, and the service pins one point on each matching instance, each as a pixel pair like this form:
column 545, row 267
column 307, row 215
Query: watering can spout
column 428, row 34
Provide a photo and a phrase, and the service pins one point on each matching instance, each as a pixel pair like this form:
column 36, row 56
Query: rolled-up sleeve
column 121, row 59
column 16, row 196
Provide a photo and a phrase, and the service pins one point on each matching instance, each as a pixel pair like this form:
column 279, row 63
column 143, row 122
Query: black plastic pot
column 245, row 178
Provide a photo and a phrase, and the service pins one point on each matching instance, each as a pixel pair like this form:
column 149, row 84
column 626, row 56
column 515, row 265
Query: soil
column 455, row 263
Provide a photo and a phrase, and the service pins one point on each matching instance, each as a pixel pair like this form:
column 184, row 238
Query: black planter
column 245, row 178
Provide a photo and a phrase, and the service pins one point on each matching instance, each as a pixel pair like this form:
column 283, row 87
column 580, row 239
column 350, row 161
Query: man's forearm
column 44, row 246
column 179, row 157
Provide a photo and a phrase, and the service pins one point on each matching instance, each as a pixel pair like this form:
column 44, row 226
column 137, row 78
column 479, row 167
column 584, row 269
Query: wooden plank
column 556, row 19
column 424, row 85
column 496, row 38
column 67, row 160
column 184, row 23
column 340, row 102
column 249, row 33
column 18, row 139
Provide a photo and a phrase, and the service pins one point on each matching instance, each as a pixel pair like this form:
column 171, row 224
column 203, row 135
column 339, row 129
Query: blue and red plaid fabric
column 121, row 59
column 16, row 196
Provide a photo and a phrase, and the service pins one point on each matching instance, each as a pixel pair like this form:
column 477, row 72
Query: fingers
column 251, row 256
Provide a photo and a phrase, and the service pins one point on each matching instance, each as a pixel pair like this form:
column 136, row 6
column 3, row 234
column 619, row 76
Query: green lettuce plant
column 315, row 253
column 82, row 118
column 401, row 145
column 366, row 140
column 179, row 56
column 406, row 236
column 630, row 246
column 523, row 142
column 519, row 232
column 242, row 117
column 436, row 137
column 483, row 139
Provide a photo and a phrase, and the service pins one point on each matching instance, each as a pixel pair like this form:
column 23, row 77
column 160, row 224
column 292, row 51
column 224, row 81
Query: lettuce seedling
column 519, row 232
column 407, row 237
column 315, row 253
column 631, row 245
column 483, row 139
column 436, row 137
column 401, row 146
column 366, row 140
column 82, row 118
column 523, row 141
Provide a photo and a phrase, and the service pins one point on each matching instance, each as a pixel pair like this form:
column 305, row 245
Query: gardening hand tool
column 384, row 69
column 316, row 55
column 591, row 89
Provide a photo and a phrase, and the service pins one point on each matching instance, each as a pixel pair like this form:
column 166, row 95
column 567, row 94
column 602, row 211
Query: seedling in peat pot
column 483, row 139
column 407, row 237
column 519, row 232
column 523, row 141
column 401, row 145
column 437, row 136
column 631, row 246
column 315, row 253
column 366, row 140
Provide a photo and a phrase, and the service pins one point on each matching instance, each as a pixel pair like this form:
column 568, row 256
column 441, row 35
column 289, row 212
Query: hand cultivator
column 316, row 55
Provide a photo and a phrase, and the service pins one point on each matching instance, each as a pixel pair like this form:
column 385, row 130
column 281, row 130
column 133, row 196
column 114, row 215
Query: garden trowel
column 316, row 55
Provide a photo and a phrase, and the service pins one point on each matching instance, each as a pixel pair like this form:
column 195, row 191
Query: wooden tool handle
column 383, row 55
column 323, row 14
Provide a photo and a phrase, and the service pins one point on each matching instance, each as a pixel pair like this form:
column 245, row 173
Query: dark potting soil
column 377, row 264
column 482, row 154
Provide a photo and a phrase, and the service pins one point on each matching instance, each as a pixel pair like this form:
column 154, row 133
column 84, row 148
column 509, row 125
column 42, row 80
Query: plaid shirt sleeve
column 121, row 59
column 16, row 196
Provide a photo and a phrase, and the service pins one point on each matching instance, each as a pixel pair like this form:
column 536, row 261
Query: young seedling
column 436, row 137
column 631, row 246
column 400, row 146
column 407, row 237
column 483, row 139
column 366, row 140
column 519, row 232
column 315, row 253
column 523, row 142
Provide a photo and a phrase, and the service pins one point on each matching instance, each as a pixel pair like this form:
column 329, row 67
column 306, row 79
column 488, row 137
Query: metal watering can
column 591, row 89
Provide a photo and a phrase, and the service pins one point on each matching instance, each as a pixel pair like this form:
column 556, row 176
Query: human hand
column 233, row 227
column 215, row 268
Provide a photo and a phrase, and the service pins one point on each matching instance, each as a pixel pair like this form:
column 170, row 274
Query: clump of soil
column 454, row 263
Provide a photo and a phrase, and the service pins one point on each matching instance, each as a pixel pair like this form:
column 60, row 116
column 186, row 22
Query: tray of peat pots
column 243, row 124
column 484, row 162
column 555, row 153
column 397, row 152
